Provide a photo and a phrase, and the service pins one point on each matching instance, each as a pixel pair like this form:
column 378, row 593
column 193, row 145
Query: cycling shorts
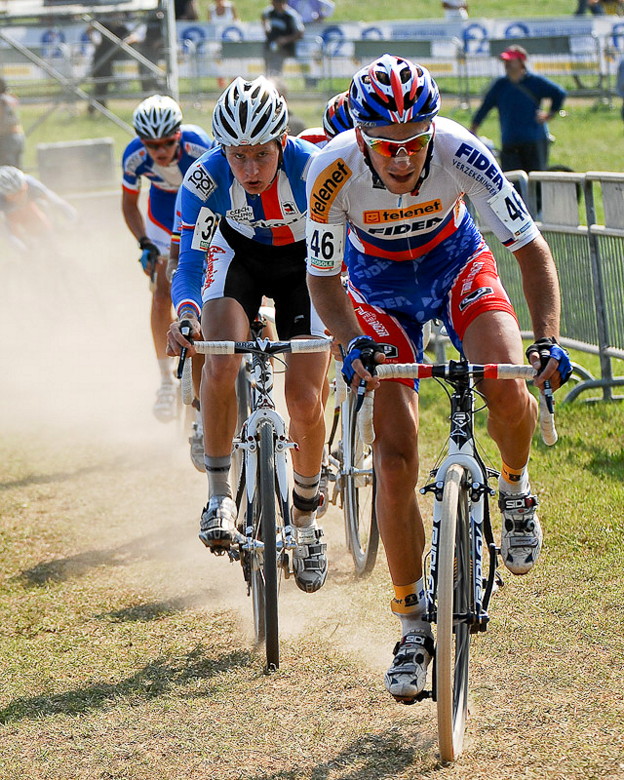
column 158, row 234
column 246, row 270
column 398, row 324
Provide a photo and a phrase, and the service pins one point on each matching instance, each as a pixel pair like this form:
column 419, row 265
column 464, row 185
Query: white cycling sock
column 218, row 472
column 306, row 488
column 414, row 623
column 517, row 486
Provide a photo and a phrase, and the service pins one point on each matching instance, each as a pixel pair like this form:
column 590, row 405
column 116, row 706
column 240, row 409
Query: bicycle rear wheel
column 358, row 492
column 454, row 589
column 265, row 582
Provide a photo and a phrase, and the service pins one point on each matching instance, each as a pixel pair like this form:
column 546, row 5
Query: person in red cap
column 518, row 96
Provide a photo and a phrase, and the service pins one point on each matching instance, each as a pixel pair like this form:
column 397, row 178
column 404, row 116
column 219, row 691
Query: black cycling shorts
column 246, row 270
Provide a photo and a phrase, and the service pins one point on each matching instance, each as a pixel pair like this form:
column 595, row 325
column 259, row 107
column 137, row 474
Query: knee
column 511, row 404
column 397, row 469
column 305, row 406
column 161, row 300
column 219, row 372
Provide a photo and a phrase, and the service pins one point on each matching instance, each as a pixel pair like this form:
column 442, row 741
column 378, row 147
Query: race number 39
column 325, row 248
column 205, row 227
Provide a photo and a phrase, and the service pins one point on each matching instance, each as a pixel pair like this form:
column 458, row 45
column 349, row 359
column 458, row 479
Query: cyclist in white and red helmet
column 413, row 253
column 243, row 208
column 162, row 152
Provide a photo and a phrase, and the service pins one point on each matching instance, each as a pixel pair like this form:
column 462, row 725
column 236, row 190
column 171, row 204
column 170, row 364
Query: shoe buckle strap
column 509, row 503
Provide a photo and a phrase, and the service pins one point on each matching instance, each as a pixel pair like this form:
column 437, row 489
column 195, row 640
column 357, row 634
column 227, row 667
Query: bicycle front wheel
column 266, row 500
column 358, row 492
column 454, row 598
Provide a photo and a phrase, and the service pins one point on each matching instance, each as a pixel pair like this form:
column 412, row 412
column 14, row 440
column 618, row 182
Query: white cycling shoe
column 218, row 523
column 407, row 675
column 165, row 406
column 521, row 539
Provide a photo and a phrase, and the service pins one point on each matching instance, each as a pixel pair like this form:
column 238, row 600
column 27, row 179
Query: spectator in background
column 295, row 123
column 518, row 95
column 283, row 28
column 106, row 52
column 11, row 133
column 594, row 6
column 312, row 11
column 149, row 41
column 222, row 11
column 455, row 9
column 185, row 10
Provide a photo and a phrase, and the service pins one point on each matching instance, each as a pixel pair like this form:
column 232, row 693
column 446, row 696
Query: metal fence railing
column 590, row 260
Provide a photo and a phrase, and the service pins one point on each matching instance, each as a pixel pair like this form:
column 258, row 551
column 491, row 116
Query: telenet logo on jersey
column 393, row 215
column 326, row 187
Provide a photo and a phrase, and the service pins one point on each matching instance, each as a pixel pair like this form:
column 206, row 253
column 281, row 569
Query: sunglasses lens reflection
column 409, row 146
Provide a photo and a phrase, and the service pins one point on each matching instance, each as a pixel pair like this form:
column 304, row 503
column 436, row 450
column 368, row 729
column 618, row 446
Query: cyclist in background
column 30, row 210
column 162, row 153
column 255, row 183
column 413, row 253
column 336, row 119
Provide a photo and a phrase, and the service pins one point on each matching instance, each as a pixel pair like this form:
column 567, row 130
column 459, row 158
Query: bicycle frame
column 263, row 409
column 463, row 452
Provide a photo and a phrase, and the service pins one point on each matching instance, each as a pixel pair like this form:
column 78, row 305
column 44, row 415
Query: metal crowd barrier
column 589, row 255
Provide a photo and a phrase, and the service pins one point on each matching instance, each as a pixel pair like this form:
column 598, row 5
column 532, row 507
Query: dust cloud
column 79, row 377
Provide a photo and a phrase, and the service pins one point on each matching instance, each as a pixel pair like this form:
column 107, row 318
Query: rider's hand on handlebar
column 176, row 340
column 149, row 256
column 363, row 354
column 551, row 361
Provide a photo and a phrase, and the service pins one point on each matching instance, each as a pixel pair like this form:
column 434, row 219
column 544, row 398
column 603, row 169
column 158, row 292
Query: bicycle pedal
column 414, row 699
column 286, row 566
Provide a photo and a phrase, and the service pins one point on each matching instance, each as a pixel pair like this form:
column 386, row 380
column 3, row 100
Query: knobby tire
column 454, row 597
column 358, row 494
column 266, row 497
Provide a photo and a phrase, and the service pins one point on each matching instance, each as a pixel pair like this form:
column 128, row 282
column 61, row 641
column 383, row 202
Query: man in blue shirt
column 518, row 96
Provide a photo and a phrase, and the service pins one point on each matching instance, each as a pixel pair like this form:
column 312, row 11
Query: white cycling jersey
column 431, row 224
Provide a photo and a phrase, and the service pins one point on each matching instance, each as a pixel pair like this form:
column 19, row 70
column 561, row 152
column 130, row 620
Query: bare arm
column 132, row 214
column 334, row 307
column 336, row 311
column 541, row 287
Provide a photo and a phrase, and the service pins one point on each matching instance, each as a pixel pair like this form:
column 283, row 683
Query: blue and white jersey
column 210, row 192
column 164, row 181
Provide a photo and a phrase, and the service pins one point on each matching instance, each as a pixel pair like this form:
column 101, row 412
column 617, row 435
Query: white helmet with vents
column 157, row 117
column 12, row 180
column 249, row 113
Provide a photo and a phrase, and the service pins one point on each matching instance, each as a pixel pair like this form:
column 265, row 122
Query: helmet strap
column 425, row 169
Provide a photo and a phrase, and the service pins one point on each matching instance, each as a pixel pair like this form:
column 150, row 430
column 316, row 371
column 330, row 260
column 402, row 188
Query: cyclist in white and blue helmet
column 413, row 253
column 243, row 208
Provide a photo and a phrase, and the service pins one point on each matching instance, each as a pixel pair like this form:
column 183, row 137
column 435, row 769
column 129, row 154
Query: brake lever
column 185, row 330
